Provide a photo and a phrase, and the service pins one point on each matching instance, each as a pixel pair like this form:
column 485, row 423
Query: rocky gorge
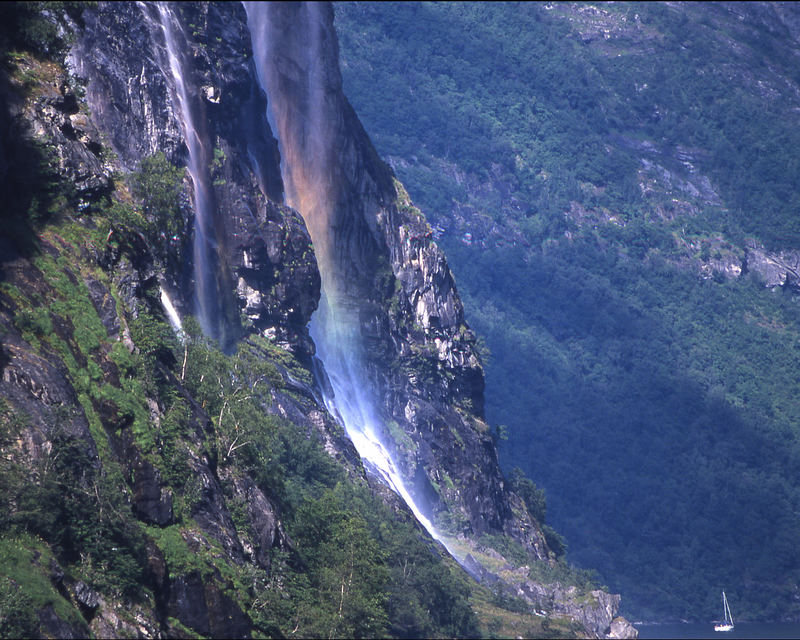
column 174, row 453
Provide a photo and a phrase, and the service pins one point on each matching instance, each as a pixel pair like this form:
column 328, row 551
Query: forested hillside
column 616, row 189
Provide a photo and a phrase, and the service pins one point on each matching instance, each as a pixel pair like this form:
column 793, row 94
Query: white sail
column 727, row 623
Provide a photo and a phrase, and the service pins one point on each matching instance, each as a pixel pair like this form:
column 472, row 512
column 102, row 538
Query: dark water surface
column 764, row 630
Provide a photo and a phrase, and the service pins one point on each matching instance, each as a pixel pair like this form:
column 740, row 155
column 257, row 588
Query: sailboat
column 727, row 622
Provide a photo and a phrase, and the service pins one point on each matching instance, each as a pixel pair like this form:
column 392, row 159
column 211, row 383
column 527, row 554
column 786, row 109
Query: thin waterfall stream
column 352, row 405
column 172, row 314
column 305, row 140
column 205, row 262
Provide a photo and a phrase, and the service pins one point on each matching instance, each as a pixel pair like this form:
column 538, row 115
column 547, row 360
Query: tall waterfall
column 207, row 269
column 303, row 116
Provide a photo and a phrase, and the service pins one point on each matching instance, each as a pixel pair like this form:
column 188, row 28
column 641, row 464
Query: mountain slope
column 615, row 186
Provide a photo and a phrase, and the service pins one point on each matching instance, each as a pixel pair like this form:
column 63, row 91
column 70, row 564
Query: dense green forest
column 584, row 167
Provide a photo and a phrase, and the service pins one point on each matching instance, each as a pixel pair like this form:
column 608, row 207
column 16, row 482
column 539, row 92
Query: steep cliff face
column 99, row 435
column 172, row 467
column 133, row 98
column 379, row 255
column 383, row 275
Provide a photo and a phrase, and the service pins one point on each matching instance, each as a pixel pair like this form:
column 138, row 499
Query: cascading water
column 172, row 314
column 304, row 127
column 160, row 17
column 338, row 347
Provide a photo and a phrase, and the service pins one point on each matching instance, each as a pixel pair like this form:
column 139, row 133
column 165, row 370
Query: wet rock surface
column 419, row 353
column 201, row 606
column 262, row 246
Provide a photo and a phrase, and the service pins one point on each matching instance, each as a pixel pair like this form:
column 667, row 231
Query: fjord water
column 306, row 140
column 763, row 630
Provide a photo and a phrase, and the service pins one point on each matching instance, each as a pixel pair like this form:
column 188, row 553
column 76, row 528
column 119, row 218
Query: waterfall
column 172, row 315
column 351, row 403
column 206, row 265
column 303, row 116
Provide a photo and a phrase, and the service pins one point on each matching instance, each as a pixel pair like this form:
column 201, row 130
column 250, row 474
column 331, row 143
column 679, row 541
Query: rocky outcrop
column 380, row 264
column 56, row 408
column 597, row 614
column 152, row 501
column 202, row 606
column 264, row 246
column 716, row 257
column 595, row 610
column 56, row 119
column 277, row 280
column 773, row 269
column 36, row 384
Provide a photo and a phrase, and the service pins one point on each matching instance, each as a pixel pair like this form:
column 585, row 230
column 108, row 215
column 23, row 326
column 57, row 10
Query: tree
column 347, row 567
column 158, row 184
column 532, row 495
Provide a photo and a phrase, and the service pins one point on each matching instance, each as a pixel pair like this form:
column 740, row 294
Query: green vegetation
column 157, row 184
column 358, row 571
column 656, row 409
column 353, row 568
column 25, row 587
column 33, row 192
column 536, row 503
column 79, row 513
column 509, row 96
column 505, row 622
column 25, row 27
column 349, row 565
column 683, row 392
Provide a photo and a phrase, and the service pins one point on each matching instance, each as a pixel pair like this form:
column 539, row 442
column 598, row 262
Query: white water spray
column 303, row 126
column 353, row 405
column 172, row 315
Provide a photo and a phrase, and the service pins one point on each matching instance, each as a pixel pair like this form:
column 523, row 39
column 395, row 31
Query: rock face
column 379, row 263
column 597, row 616
column 263, row 246
column 61, row 417
column 781, row 269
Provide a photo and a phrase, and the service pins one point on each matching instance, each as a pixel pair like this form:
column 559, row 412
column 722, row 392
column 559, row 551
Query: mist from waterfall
column 305, row 131
column 208, row 307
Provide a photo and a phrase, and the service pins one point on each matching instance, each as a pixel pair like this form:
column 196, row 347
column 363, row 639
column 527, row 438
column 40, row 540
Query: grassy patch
column 497, row 621
column 26, row 586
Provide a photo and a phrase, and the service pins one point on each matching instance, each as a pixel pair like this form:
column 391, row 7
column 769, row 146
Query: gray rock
column 621, row 628
column 199, row 604
column 420, row 356
column 598, row 616
column 774, row 269
column 54, row 627
column 86, row 596
column 151, row 501
column 105, row 305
